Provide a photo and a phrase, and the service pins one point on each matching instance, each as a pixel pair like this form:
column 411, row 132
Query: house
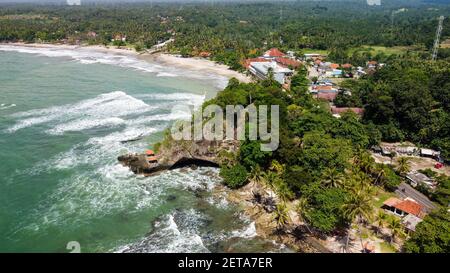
column 247, row 62
column 204, row 54
column 273, row 53
column 92, row 34
column 286, row 62
column 261, row 71
column 120, row 37
column 291, row 54
column 416, row 178
column 410, row 222
column 360, row 71
column 334, row 66
column 404, row 207
column 430, row 153
column 312, row 56
column 337, row 111
column 326, row 96
column 372, row 64
column 409, row 150
column 324, row 89
column 335, row 73
column 151, row 158
column 347, row 66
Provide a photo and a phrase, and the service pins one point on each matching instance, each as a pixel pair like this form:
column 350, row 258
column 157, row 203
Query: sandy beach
column 200, row 65
column 195, row 64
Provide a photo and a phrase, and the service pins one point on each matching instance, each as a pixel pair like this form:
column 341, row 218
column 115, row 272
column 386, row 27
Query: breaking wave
column 103, row 110
column 89, row 56
column 4, row 106
column 173, row 233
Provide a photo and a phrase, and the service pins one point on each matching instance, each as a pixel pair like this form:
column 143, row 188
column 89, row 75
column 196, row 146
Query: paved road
column 404, row 190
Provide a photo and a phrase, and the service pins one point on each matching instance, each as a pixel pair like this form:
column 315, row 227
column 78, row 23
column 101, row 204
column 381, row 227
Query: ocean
column 65, row 117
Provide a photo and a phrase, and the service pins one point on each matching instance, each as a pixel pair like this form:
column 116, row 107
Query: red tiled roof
column 334, row 66
column 327, row 96
column 286, row 62
column 392, row 201
column 324, row 88
column 274, row 52
column 204, row 54
column 152, row 158
column 247, row 62
column 410, row 207
column 347, row 66
column 340, row 110
column 149, row 152
column 372, row 62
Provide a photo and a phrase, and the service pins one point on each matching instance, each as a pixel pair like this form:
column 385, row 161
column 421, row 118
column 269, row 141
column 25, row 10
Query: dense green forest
column 234, row 31
column 409, row 99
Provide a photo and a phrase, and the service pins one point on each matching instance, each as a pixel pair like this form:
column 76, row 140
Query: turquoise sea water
column 63, row 117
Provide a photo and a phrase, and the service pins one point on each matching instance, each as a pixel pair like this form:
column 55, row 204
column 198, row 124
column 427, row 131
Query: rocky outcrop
column 139, row 165
column 177, row 154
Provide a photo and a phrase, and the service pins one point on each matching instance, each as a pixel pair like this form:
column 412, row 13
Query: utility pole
column 437, row 40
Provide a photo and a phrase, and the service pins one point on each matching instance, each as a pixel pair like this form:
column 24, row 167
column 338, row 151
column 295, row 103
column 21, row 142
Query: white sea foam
column 186, row 98
column 166, row 74
column 248, row 232
column 173, row 233
column 103, row 110
column 92, row 56
column 80, row 125
column 4, row 106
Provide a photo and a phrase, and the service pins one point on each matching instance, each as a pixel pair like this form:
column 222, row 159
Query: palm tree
column 358, row 207
column 283, row 190
column 302, row 210
column 380, row 175
column 269, row 178
column 277, row 167
column 332, row 178
column 403, row 165
column 281, row 216
column 396, row 228
column 256, row 175
column 381, row 219
column 364, row 161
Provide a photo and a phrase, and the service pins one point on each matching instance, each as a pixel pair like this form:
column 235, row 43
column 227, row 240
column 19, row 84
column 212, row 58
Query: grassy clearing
column 381, row 197
column 387, row 248
column 311, row 50
column 374, row 50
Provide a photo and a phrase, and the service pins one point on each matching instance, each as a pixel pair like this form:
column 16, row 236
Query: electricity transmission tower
column 438, row 37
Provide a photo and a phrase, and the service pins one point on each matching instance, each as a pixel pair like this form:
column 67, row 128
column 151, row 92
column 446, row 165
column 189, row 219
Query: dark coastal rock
column 180, row 154
column 138, row 164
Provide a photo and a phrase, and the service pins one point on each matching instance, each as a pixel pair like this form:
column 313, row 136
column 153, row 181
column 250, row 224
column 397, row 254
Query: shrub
column 235, row 176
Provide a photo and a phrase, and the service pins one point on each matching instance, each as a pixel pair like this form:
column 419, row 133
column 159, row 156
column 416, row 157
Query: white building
column 261, row 71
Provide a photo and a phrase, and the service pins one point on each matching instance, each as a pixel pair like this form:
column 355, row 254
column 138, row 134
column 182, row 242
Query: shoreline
column 192, row 64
